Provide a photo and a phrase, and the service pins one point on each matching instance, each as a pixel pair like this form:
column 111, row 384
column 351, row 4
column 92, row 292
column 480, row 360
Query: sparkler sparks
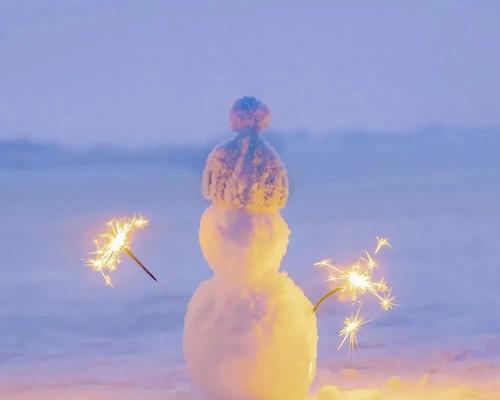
column 350, row 330
column 111, row 245
column 369, row 261
column 387, row 302
column 357, row 280
column 381, row 242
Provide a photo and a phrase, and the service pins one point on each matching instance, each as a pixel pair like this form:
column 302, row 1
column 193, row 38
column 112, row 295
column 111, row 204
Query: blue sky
column 143, row 72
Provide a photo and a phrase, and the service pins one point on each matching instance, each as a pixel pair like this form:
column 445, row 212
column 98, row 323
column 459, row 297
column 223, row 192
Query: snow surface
column 434, row 193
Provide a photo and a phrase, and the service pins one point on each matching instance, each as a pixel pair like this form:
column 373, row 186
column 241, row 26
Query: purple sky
column 143, row 72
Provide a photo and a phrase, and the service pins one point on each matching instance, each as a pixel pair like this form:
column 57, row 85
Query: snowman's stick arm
column 326, row 296
column 144, row 268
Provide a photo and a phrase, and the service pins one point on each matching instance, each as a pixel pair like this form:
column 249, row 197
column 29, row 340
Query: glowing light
column 111, row 245
column 382, row 286
column 350, row 330
column 370, row 262
column 387, row 302
column 357, row 280
column 381, row 242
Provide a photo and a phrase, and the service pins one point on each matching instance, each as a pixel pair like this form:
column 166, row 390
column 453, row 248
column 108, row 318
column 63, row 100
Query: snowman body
column 250, row 333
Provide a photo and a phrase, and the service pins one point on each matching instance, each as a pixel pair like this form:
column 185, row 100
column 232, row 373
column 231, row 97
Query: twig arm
column 147, row 271
column 139, row 263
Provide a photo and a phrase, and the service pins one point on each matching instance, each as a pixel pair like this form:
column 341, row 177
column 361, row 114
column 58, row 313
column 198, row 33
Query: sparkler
column 113, row 243
column 357, row 279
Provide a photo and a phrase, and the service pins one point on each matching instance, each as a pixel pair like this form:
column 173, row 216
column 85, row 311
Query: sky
column 147, row 72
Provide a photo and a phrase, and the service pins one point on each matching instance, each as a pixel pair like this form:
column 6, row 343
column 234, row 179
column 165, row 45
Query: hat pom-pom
column 249, row 114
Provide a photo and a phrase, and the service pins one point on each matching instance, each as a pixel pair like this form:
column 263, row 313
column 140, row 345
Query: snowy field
column 434, row 193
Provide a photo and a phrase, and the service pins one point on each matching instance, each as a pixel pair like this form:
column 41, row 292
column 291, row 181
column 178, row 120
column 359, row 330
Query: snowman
column 250, row 333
